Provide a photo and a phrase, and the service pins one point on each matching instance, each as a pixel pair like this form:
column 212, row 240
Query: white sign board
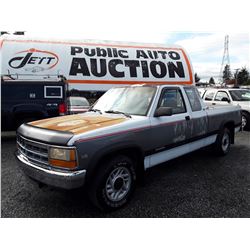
column 95, row 65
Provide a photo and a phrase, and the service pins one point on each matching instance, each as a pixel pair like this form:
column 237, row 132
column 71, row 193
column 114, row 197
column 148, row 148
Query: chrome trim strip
column 33, row 152
column 48, row 171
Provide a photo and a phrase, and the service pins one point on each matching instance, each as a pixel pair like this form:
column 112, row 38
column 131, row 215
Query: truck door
column 170, row 131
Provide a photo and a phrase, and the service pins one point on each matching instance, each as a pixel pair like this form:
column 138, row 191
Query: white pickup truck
column 230, row 96
column 127, row 131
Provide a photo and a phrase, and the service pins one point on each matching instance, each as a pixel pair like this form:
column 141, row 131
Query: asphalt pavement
column 195, row 185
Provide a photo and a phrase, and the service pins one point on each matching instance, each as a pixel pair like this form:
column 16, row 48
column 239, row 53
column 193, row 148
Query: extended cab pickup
column 128, row 130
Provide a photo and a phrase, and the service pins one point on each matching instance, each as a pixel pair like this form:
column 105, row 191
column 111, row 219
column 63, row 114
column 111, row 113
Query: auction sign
column 96, row 65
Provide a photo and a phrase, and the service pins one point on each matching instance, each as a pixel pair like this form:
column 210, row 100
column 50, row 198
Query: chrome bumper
column 51, row 177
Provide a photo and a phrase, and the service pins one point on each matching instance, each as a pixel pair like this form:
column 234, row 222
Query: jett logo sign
column 34, row 60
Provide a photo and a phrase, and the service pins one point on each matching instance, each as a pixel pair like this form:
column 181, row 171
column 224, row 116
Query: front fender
column 114, row 149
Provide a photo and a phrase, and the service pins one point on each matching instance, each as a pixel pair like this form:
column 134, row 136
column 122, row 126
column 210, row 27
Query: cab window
column 209, row 95
column 172, row 98
column 221, row 96
column 193, row 98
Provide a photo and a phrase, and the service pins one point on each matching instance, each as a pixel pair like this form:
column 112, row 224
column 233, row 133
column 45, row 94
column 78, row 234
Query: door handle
column 187, row 118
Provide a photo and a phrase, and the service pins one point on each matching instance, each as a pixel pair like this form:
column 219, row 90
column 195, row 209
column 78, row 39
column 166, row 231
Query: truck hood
column 80, row 123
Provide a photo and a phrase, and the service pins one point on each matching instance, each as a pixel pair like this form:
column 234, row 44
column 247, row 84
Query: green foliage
column 247, row 82
column 226, row 75
column 242, row 76
column 211, row 81
column 196, row 77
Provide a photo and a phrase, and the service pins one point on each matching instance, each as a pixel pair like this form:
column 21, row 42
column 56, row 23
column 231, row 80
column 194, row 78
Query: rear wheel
column 113, row 184
column 223, row 142
column 245, row 121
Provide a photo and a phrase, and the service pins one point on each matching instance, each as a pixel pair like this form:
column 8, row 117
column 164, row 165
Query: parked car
column 77, row 104
column 129, row 130
column 233, row 97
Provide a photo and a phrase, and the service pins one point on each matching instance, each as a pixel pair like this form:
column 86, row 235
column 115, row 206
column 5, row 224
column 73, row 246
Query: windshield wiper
column 95, row 110
column 117, row 112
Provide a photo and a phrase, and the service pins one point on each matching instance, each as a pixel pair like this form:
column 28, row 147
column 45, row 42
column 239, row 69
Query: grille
column 34, row 151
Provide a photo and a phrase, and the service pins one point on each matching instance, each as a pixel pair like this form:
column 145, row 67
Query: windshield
column 129, row 100
column 240, row 95
column 78, row 101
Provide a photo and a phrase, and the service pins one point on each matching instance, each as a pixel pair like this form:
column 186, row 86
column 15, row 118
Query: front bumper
column 56, row 178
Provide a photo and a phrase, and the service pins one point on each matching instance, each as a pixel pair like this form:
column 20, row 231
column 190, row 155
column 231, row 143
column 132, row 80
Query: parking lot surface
column 196, row 185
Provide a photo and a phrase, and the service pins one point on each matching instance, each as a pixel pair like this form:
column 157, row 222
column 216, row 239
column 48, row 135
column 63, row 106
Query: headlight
column 62, row 157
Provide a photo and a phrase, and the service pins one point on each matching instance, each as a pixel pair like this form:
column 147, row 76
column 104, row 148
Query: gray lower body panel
column 55, row 178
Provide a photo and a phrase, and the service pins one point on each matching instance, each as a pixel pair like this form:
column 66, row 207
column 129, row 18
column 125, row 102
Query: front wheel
column 113, row 184
column 223, row 142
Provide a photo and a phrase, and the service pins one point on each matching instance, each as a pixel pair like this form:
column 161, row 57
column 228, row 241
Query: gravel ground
column 195, row 185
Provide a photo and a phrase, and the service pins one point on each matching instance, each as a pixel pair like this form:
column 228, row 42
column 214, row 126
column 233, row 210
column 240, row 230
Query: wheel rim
column 243, row 121
column 118, row 184
column 225, row 142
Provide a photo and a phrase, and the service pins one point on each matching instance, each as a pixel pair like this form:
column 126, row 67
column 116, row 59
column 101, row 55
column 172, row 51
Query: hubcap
column 225, row 142
column 118, row 184
column 243, row 121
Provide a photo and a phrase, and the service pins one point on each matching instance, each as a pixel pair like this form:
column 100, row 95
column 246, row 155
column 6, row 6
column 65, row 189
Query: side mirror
column 163, row 111
column 225, row 99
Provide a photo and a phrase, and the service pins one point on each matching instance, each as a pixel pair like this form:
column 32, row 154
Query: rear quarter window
column 194, row 99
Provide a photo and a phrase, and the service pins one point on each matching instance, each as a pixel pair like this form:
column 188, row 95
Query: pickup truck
column 128, row 130
column 27, row 98
column 231, row 96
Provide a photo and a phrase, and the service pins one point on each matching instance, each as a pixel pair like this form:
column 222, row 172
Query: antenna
column 225, row 59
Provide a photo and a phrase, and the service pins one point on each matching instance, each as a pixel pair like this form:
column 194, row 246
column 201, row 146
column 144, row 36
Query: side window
column 172, row 98
column 209, row 95
column 193, row 98
column 220, row 95
column 53, row 92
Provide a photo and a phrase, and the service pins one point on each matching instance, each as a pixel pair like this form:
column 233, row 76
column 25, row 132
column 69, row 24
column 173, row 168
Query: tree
column 226, row 73
column 242, row 76
column 196, row 77
column 211, row 81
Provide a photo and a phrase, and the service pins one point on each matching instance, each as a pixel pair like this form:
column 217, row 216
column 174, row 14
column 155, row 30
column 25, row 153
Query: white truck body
column 230, row 96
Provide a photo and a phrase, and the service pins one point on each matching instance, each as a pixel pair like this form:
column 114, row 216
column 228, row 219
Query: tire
column 245, row 121
column 113, row 184
column 223, row 142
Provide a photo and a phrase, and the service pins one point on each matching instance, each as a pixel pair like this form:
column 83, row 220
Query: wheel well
column 230, row 126
column 246, row 112
column 132, row 152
